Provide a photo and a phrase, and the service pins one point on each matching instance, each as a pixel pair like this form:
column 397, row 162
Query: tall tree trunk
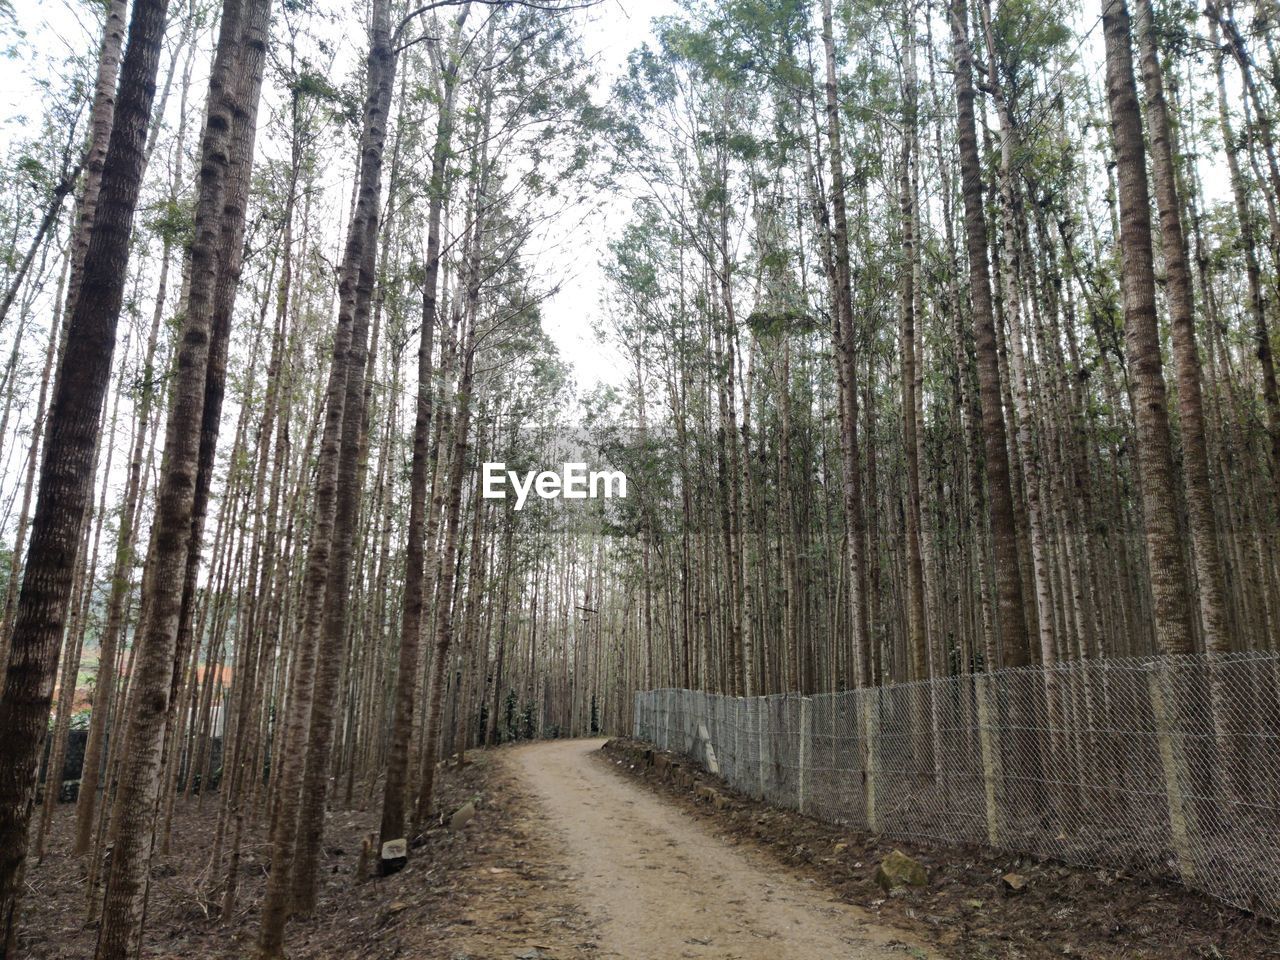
column 855, row 532
column 1249, row 247
column 917, row 627
column 395, row 791
column 445, row 624
column 234, row 87
column 1014, row 644
column 1165, row 558
column 71, row 437
column 355, row 274
column 1210, row 575
column 101, row 120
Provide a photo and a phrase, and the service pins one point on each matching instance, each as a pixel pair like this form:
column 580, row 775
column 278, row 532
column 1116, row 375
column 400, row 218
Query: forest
column 934, row 340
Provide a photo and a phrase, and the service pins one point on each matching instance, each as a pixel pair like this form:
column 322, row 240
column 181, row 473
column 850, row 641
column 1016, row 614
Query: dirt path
column 658, row 885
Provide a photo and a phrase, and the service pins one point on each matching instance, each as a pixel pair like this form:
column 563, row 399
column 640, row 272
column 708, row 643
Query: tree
column 72, row 434
column 230, row 127
column 395, row 793
column 1165, row 558
column 1014, row 645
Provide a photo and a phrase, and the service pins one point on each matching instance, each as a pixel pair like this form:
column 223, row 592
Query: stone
column 462, row 816
column 394, row 855
column 1014, row 884
column 898, row 870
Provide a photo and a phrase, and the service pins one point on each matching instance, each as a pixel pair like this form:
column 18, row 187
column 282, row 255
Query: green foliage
column 781, row 323
column 171, row 221
column 1029, row 34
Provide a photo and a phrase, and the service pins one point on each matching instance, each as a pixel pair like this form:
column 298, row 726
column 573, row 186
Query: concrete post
column 806, row 734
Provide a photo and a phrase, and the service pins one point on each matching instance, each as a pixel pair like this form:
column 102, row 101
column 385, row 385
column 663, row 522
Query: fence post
column 1174, row 776
column 762, row 704
column 735, row 776
column 806, row 729
column 870, row 722
column 990, row 758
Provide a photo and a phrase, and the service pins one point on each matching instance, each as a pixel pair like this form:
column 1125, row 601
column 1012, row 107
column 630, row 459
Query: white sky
column 570, row 254
column 611, row 32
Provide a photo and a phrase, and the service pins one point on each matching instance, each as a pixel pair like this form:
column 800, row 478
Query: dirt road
column 659, row 886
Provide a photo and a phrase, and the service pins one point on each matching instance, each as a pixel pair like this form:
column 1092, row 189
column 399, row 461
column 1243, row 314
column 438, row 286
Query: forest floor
column 964, row 911
column 577, row 853
column 658, row 885
column 492, row 884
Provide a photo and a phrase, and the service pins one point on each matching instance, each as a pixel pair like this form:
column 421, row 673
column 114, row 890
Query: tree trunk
column 1165, row 558
column 238, row 64
column 1013, row 641
column 395, row 791
column 71, row 437
column 855, row 527
column 355, row 274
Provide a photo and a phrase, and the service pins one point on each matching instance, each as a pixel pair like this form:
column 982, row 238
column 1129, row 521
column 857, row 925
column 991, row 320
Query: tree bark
column 1165, row 558
column 320, row 625
column 234, row 87
column 71, row 437
column 855, row 526
column 1210, row 574
column 395, row 790
column 1013, row 640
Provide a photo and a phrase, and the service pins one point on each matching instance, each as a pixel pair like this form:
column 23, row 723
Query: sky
column 571, row 250
column 610, row 33
column 46, row 34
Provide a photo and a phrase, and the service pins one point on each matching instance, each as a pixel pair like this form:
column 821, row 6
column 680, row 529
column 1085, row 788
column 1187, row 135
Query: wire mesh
column 1169, row 766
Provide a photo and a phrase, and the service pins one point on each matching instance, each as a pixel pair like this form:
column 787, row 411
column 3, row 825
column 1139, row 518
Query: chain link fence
column 1168, row 766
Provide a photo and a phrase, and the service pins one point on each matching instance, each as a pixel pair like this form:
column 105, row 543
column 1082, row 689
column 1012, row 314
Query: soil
column 492, row 875
column 964, row 910
column 576, row 854
column 657, row 884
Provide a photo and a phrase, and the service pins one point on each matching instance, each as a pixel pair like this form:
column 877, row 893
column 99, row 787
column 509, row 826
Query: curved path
column 659, row 886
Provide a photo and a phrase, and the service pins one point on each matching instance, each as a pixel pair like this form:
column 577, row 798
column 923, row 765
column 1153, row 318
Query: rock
column 394, row 855
column 462, row 816
column 1014, row 884
column 897, row 870
column 720, row 802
